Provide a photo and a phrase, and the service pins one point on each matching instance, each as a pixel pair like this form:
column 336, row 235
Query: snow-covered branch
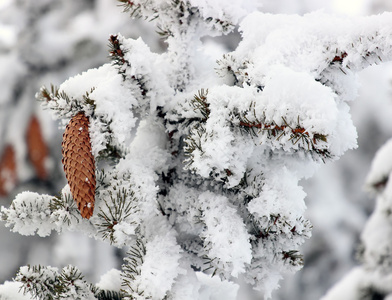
column 203, row 159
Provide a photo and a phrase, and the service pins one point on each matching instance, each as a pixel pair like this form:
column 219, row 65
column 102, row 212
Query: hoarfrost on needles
column 235, row 207
column 112, row 101
column 161, row 266
column 225, row 232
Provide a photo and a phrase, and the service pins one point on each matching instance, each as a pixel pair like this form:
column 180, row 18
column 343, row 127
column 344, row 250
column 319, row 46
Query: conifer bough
column 79, row 163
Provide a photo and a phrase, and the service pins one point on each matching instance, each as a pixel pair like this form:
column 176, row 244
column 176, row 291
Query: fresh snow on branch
column 198, row 163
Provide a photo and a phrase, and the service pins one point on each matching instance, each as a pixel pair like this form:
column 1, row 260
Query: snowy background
column 46, row 41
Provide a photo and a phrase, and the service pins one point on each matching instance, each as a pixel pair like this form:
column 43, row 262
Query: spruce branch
column 293, row 257
column 228, row 65
column 48, row 283
column 74, row 285
column 67, row 205
column 181, row 16
column 62, row 104
column 272, row 226
column 41, row 282
column 131, row 270
column 164, row 32
column 46, row 94
column 108, row 295
column 193, row 142
column 116, row 53
column 309, row 141
column 29, row 214
column 122, row 205
column 199, row 103
column 211, row 265
column 131, row 7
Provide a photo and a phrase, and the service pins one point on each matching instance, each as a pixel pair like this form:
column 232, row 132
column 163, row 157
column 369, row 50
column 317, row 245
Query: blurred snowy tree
column 373, row 279
column 197, row 164
column 41, row 41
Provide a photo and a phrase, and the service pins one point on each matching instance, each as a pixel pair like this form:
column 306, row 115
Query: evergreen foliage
column 199, row 167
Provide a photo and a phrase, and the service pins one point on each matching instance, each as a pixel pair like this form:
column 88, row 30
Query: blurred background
column 44, row 42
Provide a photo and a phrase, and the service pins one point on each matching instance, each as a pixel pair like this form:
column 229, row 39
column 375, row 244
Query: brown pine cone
column 79, row 164
column 37, row 148
column 7, row 170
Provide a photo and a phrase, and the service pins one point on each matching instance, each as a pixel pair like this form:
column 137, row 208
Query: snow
column 27, row 223
column 298, row 95
column 122, row 232
column 149, row 68
column 11, row 291
column 234, row 10
column 237, row 207
column 215, row 289
column 150, row 137
column 113, row 105
column 110, row 281
column 276, row 39
column 222, row 148
column 160, row 267
column 287, row 199
column 381, row 167
column 225, row 233
column 347, row 288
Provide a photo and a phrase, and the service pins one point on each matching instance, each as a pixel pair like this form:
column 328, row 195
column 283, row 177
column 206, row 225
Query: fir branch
column 210, row 265
column 181, row 15
column 293, row 257
column 108, row 295
column 131, row 269
column 102, row 179
column 122, row 205
column 41, row 282
column 164, row 32
column 199, row 102
column 297, row 133
column 62, row 104
column 131, row 7
column 111, row 151
column 116, row 53
column 272, row 226
column 47, row 283
column 73, row 284
column 193, row 142
column 228, row 65
column 29, row 214
column 65, row 204
column 48, row 95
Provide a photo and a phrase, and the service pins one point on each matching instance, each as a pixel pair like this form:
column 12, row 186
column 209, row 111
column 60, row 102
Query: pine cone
column 7, row 171
column 37, row 148
column 79, row 164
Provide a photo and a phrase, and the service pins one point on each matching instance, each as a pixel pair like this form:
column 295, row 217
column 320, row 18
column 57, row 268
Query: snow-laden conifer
column 373, row 278
column 198, row 157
